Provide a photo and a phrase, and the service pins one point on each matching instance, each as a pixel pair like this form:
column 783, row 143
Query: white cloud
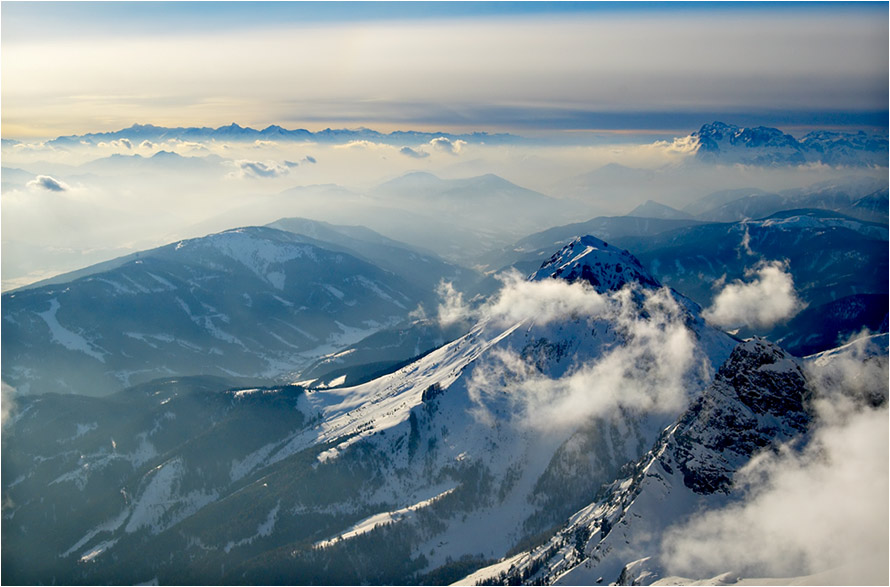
column 543, row 301
column 362, row 144
column 124, row 143
column 416, row 154
column 768, row 298
column 452, row 308
column 651, row 365
column 259, row 169
column 812, row 510
column 519, row 299
column 47, row 183
column 7, row 403
column 446, row 145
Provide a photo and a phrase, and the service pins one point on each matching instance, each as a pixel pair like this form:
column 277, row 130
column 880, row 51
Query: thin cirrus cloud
column 548, row 69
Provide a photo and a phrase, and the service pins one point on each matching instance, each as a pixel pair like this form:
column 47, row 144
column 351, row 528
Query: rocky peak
column 605, row 267
column 758, row 397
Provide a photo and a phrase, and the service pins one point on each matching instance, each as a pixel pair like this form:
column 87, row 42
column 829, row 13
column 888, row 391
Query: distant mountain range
column 719, row 142
column 233, row 132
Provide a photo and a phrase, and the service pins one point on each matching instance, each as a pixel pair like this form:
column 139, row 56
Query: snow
column 159, row 505
column 264, row 529
column 372, row 522
column 68, row 339
column 97, row 550
column 334, row 291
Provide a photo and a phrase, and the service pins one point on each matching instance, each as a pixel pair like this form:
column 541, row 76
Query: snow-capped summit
column 758, row 146
column 727, row 143
column 605, row 267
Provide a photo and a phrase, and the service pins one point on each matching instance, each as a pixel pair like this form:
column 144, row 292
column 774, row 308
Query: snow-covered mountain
column 251, row 303
column 566, row 379
column 719, row 142
column 760, row 402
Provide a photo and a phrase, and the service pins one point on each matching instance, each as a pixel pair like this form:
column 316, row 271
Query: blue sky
column 75, row 67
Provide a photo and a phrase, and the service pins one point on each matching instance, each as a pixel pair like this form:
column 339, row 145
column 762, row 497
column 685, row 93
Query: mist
column 65, row 207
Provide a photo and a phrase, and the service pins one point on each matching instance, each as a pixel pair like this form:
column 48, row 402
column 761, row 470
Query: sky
column 76, row 67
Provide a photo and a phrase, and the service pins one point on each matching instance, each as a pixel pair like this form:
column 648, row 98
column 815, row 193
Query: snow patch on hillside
column 68, row 339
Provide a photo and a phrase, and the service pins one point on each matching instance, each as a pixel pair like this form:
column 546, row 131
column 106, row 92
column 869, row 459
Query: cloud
column 812, row 510
column 452, row 308
column 362, row 144
column 648, row 360
column 45, row 182
column 446, row 145
column 309, row 159
column 7, row 403
column 541, row 302
column 767, row 299
column 291, row 164
column 118, row 143
column 408, row 151
column 259, row 169
column 146, row 144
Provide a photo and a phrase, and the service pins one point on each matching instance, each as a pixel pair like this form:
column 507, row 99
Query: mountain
column 235, row 132
column 534, row 248
column 760, row 399
column 398, row 480
column 652, row 209
column 860, row 197
column 162, row 161
column 723, row 143
column 251, row 303
column 593, row 261
column 829, row 256
column 824, row 327
column 421, row 268
column 463, row 218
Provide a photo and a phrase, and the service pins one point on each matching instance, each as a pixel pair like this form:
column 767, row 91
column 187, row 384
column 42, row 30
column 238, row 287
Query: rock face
column 757, row 399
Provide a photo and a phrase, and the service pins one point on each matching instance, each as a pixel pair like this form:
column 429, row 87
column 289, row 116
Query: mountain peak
column 653, row 209
column 605, row 267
